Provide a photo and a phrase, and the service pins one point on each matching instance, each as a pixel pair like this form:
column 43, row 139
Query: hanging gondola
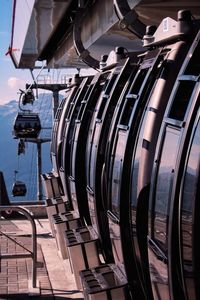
column 19, row 189
column 27, row 125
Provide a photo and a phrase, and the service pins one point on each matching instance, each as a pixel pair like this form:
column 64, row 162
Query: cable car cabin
column 65, row 146
column 63, row 119
column 174, row 190
column 77, row 148
column 27, row 125
column 73, row 156
column 19, row 189
column 96, row 143
column 146, row 99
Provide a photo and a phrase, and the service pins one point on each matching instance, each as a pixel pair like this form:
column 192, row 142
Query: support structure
column 39, row 171
column 39, row 143
column 27, row 253
column 54, row 88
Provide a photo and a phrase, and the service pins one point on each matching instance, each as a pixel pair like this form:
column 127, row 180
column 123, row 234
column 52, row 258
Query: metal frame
column 32, row 254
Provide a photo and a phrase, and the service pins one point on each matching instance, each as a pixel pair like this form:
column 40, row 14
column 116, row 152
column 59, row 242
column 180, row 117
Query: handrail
column 33, row 253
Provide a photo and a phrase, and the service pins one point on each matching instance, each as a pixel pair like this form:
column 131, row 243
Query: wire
column 35, row 78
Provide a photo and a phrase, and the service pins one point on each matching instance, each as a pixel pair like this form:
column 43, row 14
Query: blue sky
column 11, row 79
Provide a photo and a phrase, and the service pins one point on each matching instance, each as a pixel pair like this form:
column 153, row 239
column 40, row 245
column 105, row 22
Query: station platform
column 54, row 276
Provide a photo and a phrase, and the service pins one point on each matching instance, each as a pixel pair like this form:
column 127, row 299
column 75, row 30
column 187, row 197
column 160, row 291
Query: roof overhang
column 43, row 29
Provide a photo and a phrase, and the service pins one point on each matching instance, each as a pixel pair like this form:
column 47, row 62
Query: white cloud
column 16, row 83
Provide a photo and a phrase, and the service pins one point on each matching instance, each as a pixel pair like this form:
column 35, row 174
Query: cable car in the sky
column 27, row 125
column 19, row 189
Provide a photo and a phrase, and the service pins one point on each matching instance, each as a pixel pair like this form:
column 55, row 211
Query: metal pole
column 1, row 174
column 39, row 163
column 26, row 213
column 55, row 102
column 39, row 171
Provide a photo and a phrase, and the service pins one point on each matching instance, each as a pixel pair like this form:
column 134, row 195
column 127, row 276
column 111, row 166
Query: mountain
column 25, row 164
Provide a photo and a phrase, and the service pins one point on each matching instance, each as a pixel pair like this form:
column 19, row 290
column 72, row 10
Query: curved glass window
column 92, row 160
column 132, row 97
column 134, row 174
column 181, row 100
column 163, row 187
column 191, row 178
column 194, row 65
column 116, row 172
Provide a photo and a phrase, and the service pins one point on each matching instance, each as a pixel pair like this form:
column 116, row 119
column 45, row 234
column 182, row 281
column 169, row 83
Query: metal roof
column 44, row 29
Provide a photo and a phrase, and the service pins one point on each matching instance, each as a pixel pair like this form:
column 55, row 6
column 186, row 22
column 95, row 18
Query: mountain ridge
column 25, row 164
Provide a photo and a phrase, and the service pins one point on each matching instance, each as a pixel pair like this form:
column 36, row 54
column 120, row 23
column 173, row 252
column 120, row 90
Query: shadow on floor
column 26, row 296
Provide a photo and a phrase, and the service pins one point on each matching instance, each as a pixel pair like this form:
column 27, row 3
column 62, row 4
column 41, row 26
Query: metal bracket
column 83, row 53
column 31, row 253
column 129, row 18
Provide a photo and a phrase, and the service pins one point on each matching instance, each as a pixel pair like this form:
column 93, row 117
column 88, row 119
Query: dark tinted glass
column 110, row 84
column 187, row 209
column 193, row 67
column 116, row 172
column 138, row 81
column 163, row 187
column 181, row 100
column 127, row 111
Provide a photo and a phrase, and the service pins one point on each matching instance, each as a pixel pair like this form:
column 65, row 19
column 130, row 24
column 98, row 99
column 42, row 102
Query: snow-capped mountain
column 25, row 164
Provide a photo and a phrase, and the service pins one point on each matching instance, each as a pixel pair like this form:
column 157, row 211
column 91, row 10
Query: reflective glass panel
column 163, row 187
column 187, row 210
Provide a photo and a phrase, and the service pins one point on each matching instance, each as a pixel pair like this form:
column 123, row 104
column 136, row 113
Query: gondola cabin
column 27, row 125
column 19, row 189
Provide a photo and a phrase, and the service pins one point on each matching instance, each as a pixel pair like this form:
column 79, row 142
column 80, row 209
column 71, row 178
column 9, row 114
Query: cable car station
column 121, row 199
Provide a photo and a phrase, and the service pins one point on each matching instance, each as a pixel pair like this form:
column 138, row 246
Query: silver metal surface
column 103, row 282
column 37, row 21
column 83, row 250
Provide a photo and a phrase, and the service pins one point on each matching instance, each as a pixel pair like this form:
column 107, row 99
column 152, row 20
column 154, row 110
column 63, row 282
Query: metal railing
column 31, row 253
